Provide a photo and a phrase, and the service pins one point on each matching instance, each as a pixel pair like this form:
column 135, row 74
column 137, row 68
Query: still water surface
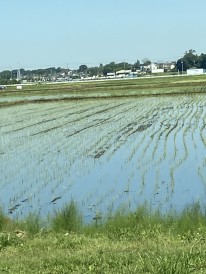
column 102, row 154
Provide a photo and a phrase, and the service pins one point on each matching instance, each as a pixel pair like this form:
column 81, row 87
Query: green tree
column 136, row 65
column 109, row 68
column 93, row 71
column 146, row 61
column 82, row 69
column 202, row 61
column 100, row 70
column 123, row 66
column 189, row 60
column 6, row 74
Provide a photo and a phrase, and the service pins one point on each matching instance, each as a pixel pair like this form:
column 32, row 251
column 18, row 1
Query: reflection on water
column 103, row 153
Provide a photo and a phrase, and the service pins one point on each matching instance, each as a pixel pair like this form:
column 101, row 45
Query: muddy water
column 103, row 154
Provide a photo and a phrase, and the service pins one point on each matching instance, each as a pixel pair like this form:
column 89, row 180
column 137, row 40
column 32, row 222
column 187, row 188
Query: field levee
column 78, row 90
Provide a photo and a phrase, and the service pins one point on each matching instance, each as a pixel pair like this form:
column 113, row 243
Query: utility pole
column 11, row 77
column 18, row 78
column 182, row 67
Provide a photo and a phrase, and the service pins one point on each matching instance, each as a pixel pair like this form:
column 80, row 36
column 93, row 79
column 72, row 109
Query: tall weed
column 67, row 219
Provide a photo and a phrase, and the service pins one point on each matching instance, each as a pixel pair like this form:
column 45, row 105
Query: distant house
column 169, row 66
column 155, row 68
column 110, row 75
column 145, row 68
column 196, row 71
column 123, row 73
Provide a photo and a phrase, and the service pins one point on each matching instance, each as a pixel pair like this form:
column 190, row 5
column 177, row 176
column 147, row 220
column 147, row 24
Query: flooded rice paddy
column 103, row 154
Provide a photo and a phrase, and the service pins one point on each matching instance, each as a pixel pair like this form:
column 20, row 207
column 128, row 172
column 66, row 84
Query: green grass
column 137, row 242
column 67, row 219
column 101, row 89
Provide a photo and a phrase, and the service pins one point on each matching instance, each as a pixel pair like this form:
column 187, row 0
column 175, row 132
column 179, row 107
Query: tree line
column 189, row 59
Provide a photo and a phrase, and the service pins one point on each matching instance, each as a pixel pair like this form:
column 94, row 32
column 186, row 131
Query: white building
column 110, row 75
column 123, row 73
column 196, row 71
column 156, row 69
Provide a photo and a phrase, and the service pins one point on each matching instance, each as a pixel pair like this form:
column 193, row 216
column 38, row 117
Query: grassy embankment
column 139, row 242
column 109, row 88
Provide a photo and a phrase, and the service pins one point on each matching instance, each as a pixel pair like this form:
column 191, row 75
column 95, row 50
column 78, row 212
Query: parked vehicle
column 2, row 87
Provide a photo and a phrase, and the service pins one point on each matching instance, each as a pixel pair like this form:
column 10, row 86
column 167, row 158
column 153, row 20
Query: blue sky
column 45, row 33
